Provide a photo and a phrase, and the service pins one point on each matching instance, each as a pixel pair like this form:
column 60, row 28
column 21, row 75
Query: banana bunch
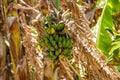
column 57, row 41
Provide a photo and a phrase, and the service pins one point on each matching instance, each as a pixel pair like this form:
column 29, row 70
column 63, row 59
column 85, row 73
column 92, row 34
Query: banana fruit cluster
column 56, row 41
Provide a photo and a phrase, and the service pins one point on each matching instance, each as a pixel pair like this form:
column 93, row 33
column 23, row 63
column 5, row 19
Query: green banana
column 48, row 31
column 68, row 43
column 63, row 31
column 60, row 39
column 52, row 55
column 54, row 26
column 63, row 41
column 60, row 44
column 52, row 41
column 60, row 26
column 54, row 44
column 51, row 38
column 45, row 40
column 56, row 38
column 50, row 47
column 42, row 43
column 67, row 52
column 57, row 52
column 56, row 41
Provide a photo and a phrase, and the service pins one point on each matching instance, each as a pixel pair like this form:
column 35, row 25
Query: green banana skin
column 67, row 52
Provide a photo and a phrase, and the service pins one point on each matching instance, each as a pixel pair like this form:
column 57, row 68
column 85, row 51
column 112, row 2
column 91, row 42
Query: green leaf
column 114, row 5
column 118, row 68
column 117, row 37
column 115, row 46
column 106, row 21
column 110, row 31
column 57, row 4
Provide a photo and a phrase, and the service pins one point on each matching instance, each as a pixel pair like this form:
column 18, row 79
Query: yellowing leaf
column 15, row 43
